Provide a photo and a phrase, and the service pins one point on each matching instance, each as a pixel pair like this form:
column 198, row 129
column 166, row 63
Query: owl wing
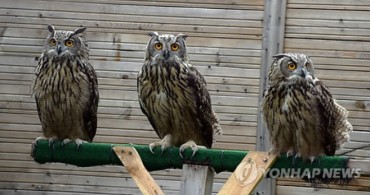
column 143, row 109
column 338, row 127
column 206, row 118
column 91, row 109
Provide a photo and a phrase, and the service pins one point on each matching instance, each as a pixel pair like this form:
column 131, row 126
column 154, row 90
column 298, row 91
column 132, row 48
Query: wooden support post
column 272, row 44
column 248, row 174
column 196, row 180
column 132, row 161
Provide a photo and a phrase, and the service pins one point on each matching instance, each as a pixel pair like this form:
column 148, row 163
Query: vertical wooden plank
column 132, row 161
column 196, row 180
column 272, row 43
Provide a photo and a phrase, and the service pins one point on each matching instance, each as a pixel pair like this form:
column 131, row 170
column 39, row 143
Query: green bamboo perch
column 96, row 154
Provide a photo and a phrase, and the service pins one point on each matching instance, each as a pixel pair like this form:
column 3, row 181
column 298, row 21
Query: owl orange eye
column 69, row 43
column 175, row 47
column 292, row 66
column 52, row 42
column 158, row 46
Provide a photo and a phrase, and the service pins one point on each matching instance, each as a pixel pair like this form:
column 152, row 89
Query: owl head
column 166, row 47
column 291, row 65
column 65, row 44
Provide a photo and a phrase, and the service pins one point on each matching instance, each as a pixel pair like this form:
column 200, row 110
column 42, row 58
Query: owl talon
column 192, row 145
column 164, row 143
column 79, row 142
column 151, row 146
column 272, row 151
column 289, row 153
column 298, row 155
column 52, row 140
column 66, row 141
column 312, row 159
column 39, row 139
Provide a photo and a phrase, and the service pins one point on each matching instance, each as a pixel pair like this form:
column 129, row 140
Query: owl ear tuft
column 51, row 29
column 79, row 30
column 279, row 56
column 153, row 34
column 182, row 35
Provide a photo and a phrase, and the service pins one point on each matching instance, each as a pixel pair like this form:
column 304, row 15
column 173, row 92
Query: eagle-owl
column 174, row 96
column 301, row 115
column 66, row 88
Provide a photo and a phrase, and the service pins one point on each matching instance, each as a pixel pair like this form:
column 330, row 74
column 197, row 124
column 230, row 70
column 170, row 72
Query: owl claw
column 39, row 138
column 66, row 141
column 298, row 155
column 164, row 143
column 312, row 158
column 192, row 145
column 289, row 153
column 78, row 142
column 273, row 151
column 151, row 146
column 51, row 141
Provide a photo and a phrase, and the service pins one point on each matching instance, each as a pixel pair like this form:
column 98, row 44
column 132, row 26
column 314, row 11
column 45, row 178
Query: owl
column 65, row 88
column 174, row 96
column 301, row 115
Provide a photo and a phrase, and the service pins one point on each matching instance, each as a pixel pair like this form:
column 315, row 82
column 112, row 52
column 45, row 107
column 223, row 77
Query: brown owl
column 301, row 115
column 66, row 88
column 174, row 96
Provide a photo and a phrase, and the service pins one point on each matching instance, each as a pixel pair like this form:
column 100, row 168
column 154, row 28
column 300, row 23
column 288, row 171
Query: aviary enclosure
column 230, row 42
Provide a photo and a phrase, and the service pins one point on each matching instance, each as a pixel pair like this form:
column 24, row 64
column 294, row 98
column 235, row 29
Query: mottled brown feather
column 65, row 88
column 301, row 114
column 186, row 111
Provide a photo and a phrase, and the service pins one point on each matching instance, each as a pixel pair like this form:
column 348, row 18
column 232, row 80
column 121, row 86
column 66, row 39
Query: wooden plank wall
column 336, row 35
column 224, row 43
column 225, row 39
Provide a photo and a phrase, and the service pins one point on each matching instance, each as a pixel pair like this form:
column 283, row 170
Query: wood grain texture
column 248, row 174
column 225, row 42
column 196, row 180
column 132, row 162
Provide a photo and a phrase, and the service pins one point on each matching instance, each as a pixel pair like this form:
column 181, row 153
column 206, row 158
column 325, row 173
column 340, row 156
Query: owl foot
column 312, row 158
column 192, row 145
column 273, row 151
column 39, row 138
column 296, row 156
column 78, row 142
column 51, row 140
column 164, row 143
column 290, row 153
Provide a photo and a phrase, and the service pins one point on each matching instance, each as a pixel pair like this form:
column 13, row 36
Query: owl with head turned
column 65, row 88
column 301, row 115
column 173, row 95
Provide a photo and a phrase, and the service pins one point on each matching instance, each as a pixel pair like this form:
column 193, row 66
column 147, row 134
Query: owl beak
column 59, row 49
column 166, row 54
column 303, row 72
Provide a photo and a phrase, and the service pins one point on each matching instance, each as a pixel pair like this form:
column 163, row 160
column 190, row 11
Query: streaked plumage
column 300, row 112
column 66, row 88
column 174, row 96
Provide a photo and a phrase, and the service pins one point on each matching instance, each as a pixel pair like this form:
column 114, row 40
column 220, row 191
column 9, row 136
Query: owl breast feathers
column 300, row 113
column 66, row 88
column 173, row 95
